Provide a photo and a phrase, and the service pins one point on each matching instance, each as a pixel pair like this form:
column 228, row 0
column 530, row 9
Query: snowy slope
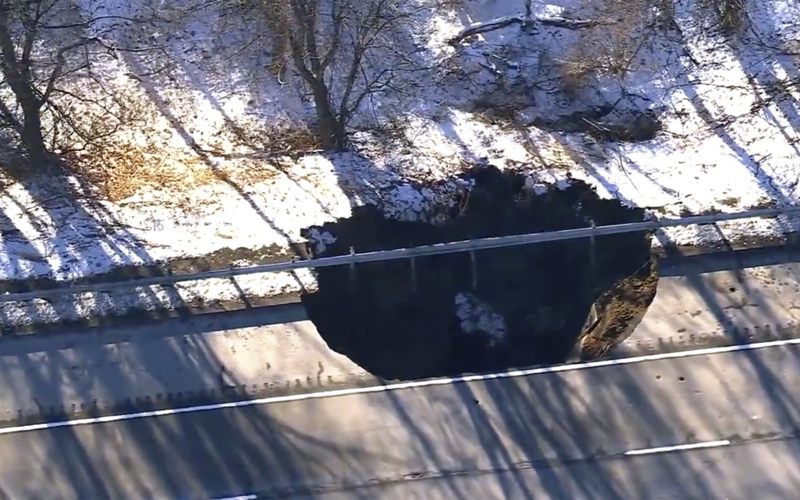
column 204, row 183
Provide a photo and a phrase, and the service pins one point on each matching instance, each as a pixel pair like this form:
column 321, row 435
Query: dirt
column 605, row 124
column 618, row 311
column 399, row 321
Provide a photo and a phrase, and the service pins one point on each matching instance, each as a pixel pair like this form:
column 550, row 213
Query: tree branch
column 72, row 125
column 9, row 117
column 336, row 36
column 7, row 45
column 355, row 65
column 370, row 88
column 299, row 59
column 27, row 44
column 96, row 19
column 57, row 71
column 504, row 22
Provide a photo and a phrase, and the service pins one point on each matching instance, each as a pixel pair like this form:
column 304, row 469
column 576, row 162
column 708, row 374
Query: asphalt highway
column 599, row 432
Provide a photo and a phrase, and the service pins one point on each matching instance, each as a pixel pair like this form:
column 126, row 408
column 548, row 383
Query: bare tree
column 345, row 51
column 42, row 44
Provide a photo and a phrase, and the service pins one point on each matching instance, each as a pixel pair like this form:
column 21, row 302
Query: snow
column 207, row 219
column 730, row 140
column 478, row 318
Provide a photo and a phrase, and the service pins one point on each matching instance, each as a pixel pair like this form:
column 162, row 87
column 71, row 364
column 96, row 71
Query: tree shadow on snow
column 54, row 219
column 761, row 36
column 773, row 189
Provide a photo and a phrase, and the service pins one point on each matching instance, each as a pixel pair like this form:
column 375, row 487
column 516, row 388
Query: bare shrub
column 119, row 172
column 575, row 73
column 729, row 15
column 611, row 48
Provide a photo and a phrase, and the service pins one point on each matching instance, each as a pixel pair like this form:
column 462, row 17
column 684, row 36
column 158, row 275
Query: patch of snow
column 320, row 239
column 478, row 318
column 70, row 240
column 537, row 187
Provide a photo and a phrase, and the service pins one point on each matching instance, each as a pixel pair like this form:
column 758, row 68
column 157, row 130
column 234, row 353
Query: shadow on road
column 523, row 435
column 154, row 457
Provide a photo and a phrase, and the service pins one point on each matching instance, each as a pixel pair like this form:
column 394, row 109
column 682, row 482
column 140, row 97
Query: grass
column 123, row 164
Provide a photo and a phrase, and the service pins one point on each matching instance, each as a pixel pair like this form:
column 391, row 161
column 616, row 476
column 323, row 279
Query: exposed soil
column 604, row 124
column 617, row 312
column 399, row 321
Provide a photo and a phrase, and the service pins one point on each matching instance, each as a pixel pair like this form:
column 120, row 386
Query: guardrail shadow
column 676, row 261
column 782, row 401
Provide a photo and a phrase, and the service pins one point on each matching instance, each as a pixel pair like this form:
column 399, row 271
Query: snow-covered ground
column 196, row 144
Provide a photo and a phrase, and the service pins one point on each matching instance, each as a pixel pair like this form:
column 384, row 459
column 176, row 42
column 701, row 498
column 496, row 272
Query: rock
column 616, row 313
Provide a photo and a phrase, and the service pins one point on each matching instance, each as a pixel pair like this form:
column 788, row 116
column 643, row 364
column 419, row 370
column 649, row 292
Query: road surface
column 708, row 474
column 702, row 302
column 552, row 435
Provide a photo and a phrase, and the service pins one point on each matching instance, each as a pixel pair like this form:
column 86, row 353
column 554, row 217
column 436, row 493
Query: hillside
column 203, row 141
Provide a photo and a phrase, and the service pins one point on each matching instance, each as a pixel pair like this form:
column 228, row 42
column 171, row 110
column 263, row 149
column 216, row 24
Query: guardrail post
column 474, row 269
column 413, row 270
column 400, row 253
column 592, row 246
column 352, row 281
column 413, row 274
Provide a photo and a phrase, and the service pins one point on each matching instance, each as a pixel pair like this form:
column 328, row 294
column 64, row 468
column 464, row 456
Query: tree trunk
column 331, row 129
column 31, row 135
column 17, row 74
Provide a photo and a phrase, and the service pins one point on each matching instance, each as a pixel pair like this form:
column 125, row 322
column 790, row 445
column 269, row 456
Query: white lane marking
column 680, row 447
column 240, row 497
column 401, row 386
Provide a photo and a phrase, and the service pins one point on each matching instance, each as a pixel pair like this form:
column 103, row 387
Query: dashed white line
column 401, row 386
column 643, row 451
column 680, row 447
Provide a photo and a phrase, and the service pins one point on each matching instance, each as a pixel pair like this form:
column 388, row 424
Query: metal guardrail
column 407, row 253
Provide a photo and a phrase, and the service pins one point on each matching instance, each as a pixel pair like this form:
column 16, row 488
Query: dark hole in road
column 397, row 329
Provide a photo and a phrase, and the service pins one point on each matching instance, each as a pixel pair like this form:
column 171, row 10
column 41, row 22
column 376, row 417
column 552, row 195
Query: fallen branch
column 503, row 22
